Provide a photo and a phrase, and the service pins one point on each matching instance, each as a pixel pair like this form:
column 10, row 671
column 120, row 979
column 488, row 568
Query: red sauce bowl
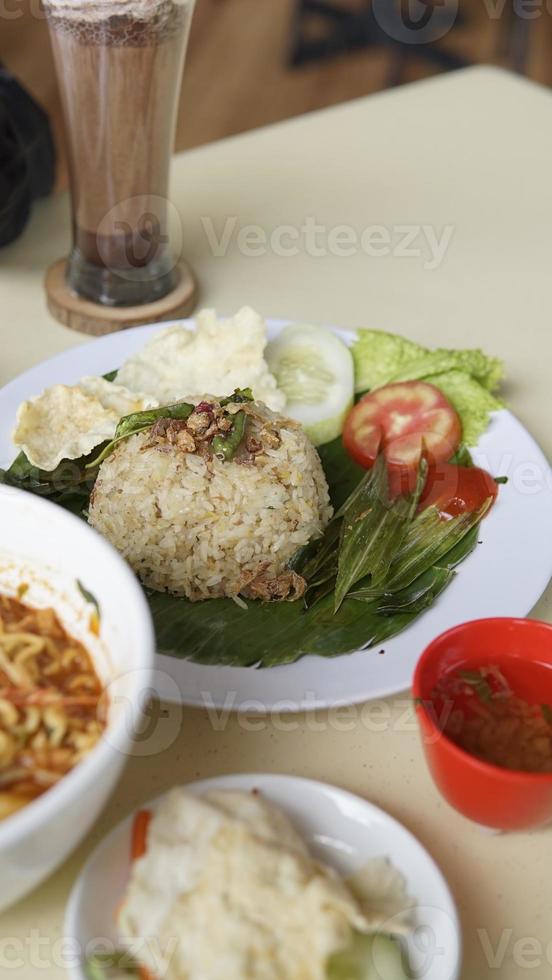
column 493, row 796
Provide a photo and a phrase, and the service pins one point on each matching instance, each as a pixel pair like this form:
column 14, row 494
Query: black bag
column 27, row 156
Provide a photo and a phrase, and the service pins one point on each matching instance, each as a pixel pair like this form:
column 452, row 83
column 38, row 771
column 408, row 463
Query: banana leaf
column 318, row 560
column 270, row 634
column 69, row 485
column 267, row 634
column 342, row 473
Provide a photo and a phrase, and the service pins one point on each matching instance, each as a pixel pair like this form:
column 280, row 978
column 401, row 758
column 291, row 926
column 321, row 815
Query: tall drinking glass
column 119, row 67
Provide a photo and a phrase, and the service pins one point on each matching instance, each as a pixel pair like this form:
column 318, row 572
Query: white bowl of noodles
column 51, row 560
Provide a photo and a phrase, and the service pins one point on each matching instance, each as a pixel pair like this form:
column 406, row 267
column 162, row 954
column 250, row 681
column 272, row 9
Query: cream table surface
column 471, row 153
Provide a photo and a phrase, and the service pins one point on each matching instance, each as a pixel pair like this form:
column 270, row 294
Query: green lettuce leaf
column 378, row 355
column 473, row 402
column 468, row 378
column 487, row 371
column 381, row 358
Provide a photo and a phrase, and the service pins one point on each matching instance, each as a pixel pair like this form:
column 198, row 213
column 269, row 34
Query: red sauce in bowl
column 491, row 713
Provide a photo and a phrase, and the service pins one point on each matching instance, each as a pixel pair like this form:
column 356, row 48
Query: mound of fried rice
column 195, row 525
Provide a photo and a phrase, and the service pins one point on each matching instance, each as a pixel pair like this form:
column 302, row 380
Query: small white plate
column 504, row 577
column 341, row 829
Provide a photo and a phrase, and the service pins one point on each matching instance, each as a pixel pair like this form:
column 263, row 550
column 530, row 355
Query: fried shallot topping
column 211, row 421
column 287, row 586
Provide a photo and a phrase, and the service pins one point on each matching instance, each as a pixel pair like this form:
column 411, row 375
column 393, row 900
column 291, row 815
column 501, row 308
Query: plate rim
column 237, row 780
column 205, row 686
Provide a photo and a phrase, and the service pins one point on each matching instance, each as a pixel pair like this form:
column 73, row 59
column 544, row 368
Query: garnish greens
column 468, row 378
column 226, row 446
column 547, row 713
column 130, row 425
column 372, row 529
column 89, row 597
column 478, row 682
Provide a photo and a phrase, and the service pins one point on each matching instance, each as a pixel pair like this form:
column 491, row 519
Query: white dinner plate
column 341, row 829
column 505, row 576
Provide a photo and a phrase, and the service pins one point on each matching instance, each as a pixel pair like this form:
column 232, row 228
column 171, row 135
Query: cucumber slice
column 375, row 957
column 315, row 370
column 111, row 966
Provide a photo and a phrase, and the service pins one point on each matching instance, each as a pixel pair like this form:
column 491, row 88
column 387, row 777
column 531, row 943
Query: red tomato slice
column 457, row 489
column 403, row 420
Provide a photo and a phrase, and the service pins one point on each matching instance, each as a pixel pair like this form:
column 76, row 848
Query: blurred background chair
column 254, row 62
column 325, row 28
column 515, row 37
column 27, row 156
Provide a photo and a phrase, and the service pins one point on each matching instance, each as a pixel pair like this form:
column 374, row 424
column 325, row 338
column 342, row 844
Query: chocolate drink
column 119, row 64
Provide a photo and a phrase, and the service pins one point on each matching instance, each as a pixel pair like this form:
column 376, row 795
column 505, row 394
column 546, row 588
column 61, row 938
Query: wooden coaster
column 91, row 318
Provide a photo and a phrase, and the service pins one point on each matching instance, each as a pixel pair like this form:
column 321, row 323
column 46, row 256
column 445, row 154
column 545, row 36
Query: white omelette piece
column 218, row 357
column 228, row 890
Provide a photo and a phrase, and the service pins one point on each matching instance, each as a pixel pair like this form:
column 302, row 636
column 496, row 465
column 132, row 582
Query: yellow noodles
column 52, row 711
